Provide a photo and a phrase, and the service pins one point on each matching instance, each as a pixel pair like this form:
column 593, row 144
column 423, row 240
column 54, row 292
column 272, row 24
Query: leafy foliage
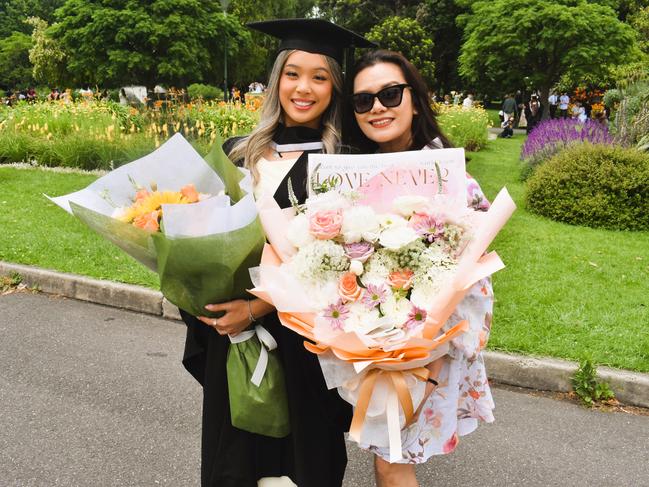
column 541, row 40
column 14, row 12
column 15, row 68
column 587, row 387
column 464, row 128
column 593, row 185
column 205, row 92
column 45, row 55
column 117, row 42
column 406, row 36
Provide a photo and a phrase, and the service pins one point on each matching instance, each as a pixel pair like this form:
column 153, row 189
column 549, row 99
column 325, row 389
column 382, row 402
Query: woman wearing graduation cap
column 301, row 114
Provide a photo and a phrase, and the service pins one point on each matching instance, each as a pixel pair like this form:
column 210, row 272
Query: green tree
column 539, row 41
column 13, row 14
column 407, row 37
column 15, row 68
column 361, row 15
column 438, row 19
column 175, row 42
column 640, row 22
column 45, row 54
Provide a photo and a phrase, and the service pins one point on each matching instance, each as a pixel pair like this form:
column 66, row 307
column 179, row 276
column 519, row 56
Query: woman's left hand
column 434, row 368
column 234, row 321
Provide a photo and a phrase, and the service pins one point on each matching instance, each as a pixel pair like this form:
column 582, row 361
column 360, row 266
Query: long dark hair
column 424, row 123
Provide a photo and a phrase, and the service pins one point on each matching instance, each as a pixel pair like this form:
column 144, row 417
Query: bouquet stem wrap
column 256, row 386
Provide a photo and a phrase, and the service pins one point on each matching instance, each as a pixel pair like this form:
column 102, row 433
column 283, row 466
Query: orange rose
column 348, row 288
column 401, row 279
column 190, row 193
column 148, row 221
column 141, row 194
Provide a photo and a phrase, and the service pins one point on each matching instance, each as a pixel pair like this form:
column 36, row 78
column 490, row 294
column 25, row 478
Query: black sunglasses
column 389, row 97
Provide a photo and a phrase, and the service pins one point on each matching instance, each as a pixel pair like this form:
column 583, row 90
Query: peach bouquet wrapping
column 370, row 278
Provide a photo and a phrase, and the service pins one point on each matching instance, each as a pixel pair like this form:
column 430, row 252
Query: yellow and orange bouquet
column 146, row 210
column 200, row 238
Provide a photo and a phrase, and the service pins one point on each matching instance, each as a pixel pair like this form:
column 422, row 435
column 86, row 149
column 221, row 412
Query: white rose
column 407, row 205
column 356, row 266
column 298, row 231
column 331, row 200
column 361, row 319
column 394, row 238
column 359, row 223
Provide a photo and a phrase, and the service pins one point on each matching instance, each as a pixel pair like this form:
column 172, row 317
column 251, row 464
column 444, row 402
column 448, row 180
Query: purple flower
column 360, row 251
column 416, row 317
column 550, row 136
column 336, row 314
column 428, row 226
column 374, row 295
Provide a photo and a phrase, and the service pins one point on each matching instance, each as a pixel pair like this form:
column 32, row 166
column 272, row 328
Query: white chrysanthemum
column 331, row 200
column 298, row 231
column 322, row 294
column 423, row 293
column 407, row 205
column 360, row 223
column 361, row 319
column 394, row 238
column 397, row 309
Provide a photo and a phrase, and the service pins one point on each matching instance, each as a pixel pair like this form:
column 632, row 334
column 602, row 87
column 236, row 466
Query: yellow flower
column 152, row 203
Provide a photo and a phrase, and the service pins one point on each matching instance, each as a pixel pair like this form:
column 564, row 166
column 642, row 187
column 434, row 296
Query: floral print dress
column 463, row 396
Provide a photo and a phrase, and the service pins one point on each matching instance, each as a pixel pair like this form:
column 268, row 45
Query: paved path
column 91, row 395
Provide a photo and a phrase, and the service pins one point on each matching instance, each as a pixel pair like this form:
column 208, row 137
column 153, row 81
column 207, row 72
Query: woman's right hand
column 235, row 319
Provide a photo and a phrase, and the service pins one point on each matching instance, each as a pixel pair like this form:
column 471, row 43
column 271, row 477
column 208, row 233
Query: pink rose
column 348, row 288
column 401, row 279
column 325, row 225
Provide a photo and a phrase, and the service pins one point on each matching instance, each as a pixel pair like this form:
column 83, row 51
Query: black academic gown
column 313, row 455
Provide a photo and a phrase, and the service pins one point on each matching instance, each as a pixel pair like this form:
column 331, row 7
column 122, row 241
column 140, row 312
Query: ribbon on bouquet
column 268, row 343
column 398, row 393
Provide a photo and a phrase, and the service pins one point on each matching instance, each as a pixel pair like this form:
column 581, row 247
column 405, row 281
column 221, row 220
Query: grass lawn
column 569, row 292
column 35, row 231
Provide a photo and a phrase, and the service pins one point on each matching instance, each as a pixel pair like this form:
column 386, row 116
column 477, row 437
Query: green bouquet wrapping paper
column 201, row 251
column 257, row 400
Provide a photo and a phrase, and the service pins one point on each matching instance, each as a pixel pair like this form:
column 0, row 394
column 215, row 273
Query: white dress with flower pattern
column 463, row 396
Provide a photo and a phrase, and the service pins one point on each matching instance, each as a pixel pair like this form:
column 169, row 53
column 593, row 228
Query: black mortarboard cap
column 318, row 36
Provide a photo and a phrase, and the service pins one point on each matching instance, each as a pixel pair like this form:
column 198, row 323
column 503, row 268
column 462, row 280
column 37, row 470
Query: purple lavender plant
column 551, row 136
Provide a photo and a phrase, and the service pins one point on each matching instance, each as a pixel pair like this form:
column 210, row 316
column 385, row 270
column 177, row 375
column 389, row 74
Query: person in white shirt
column 467, row 104
column 553, row 101
column 564, row 101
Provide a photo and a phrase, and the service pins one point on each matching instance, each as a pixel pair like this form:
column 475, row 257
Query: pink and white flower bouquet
column 371, row 283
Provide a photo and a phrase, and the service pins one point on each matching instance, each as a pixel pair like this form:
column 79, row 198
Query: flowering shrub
column 101, row 135
column 593, row 185
column 551, row 136
column 464, row 127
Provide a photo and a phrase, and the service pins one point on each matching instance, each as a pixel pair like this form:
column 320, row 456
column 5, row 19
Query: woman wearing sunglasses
column 392, row 114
